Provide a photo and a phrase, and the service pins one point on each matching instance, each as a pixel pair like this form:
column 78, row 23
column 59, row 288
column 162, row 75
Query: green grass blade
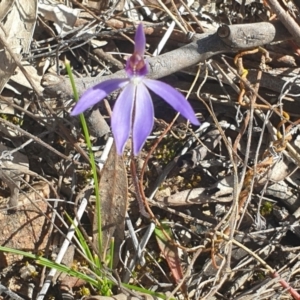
column 91, row 155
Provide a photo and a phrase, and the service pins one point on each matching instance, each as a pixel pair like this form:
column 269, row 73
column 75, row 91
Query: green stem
column 91, row 155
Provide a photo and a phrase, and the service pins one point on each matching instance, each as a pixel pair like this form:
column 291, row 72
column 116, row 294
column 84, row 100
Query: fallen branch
column 226, row 39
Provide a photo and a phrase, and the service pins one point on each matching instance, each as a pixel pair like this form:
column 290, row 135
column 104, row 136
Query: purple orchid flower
column 133, row 113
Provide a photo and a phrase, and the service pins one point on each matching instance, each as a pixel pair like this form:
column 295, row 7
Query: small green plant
column 266, row 208
column 88, row 276
column 84, row 291
column 93, row 261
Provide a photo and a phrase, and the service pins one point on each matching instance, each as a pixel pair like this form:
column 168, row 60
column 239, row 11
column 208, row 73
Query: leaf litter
column 228, row 190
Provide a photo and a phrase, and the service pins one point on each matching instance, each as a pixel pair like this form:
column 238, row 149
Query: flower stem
column 91, row 155
column 137, row 188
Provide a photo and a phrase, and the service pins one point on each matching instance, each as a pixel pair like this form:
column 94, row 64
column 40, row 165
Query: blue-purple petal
column 122, row 117
column 143, row 118
column 97, row 93
column 172, row 97
column 140, row 41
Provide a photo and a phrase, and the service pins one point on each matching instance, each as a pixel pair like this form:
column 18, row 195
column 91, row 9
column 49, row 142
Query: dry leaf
column 62, row 16
column 170, row 252
column 113, row 197
column 5, row 7
column 17, row 29
column 18, row 82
